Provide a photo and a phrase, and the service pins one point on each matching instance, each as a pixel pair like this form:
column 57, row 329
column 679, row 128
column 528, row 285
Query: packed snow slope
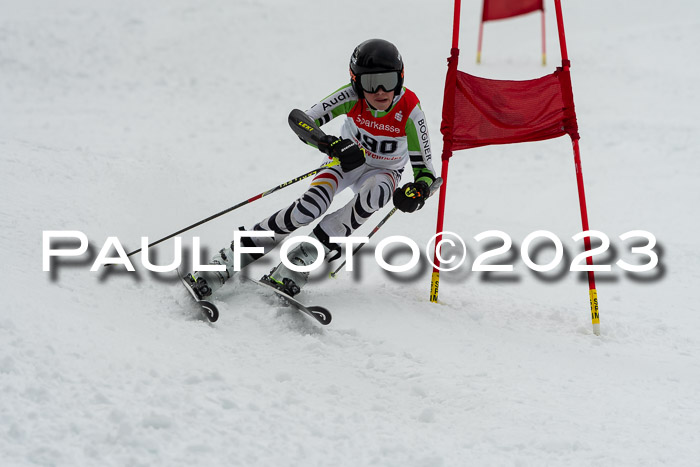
column 134, row 119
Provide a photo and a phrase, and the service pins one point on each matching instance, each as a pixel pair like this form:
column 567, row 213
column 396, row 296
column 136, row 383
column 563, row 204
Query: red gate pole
column 481, row 32
column 593, row 294
column 481, row 40
column 448, row 113
column 544, row 41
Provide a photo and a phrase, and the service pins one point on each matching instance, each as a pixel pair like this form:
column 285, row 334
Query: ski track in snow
column 134, row 120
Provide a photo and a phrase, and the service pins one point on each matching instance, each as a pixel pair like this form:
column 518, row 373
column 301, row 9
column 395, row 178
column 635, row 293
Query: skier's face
column 380, row 100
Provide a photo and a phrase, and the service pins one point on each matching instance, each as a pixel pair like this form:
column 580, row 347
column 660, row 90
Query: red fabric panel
column 500, row 112
column 500, row 9
column 570, row 124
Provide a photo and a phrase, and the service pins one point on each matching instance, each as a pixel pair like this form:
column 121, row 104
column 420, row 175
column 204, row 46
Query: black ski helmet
column 375, row 56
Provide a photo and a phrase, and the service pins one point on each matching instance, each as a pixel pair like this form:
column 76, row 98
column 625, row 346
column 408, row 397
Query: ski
column 211, row 312
column 208, row 309
column 319, row 313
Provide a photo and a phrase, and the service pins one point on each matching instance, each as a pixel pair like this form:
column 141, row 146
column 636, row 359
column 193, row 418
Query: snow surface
column 134, row 119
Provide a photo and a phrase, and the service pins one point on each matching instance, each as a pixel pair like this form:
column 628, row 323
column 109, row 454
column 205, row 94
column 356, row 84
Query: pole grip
column 305, row 127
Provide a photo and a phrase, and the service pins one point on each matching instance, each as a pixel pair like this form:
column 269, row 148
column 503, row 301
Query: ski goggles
column 371, row 82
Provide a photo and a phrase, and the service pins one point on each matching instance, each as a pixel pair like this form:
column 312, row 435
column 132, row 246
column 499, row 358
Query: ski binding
column 209, row 310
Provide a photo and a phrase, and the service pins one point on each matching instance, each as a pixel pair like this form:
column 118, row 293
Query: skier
column 385, row 128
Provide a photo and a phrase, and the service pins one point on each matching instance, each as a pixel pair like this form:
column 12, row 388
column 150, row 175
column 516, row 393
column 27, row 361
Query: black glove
column 324, row 145
column 411, row 196
column 350, row 155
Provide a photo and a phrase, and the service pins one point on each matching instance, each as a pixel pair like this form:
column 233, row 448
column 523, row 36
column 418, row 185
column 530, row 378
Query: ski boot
column 204, row 283
column 304, row 254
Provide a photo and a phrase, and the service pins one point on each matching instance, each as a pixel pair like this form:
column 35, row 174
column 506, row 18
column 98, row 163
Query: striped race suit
column 390, row 139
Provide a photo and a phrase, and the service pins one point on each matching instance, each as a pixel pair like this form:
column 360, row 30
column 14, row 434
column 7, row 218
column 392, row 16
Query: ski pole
column 433, row 188
column 243, row 203
column 381, row 223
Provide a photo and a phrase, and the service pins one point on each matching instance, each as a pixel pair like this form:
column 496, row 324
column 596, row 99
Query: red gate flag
column 479, row 111
column 500, row 9
column 491, row 111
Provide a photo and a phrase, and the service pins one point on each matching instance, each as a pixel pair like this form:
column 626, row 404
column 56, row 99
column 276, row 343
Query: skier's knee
column 305, row 213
